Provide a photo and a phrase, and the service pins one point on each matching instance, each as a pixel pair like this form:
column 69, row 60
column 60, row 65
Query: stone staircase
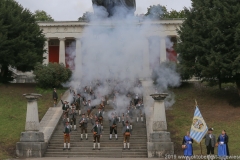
column 109, row 148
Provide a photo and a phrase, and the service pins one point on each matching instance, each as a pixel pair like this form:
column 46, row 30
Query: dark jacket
column 85, row 122
column 97, row 129
column 208, row 139
column 225, row 142
column 125, row 129
column 67, row 129
column 55, row 96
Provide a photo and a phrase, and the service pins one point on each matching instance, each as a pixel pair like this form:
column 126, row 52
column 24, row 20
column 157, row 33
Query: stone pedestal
column 159, row 143
column 31, row 141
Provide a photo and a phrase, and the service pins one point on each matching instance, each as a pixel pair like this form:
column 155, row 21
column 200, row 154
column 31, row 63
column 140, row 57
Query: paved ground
column 46, row 158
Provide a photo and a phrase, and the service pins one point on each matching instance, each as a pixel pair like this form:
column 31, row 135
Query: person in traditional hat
column 210, row 142
column 126, row 131
column 136, row 99
column 65, row 108
column 72, row 114
column 222, row 140
column 79, row 103
column 55, row 97
column 139, row 108
column 99, row 115
column 97, row 133
column 66, row 132
column 89, row 107
column 187, row 146
column 83, row 124
column 64, row 120
column 113, row 126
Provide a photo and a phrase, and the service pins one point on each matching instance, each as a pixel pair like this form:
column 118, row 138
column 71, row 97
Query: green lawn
column 220, row 109
column 13, row 108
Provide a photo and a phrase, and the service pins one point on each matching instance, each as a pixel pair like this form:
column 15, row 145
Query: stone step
column 104, row 149
column 102, row 142
column 133, row 147
column 109, row 148
column 98, row 154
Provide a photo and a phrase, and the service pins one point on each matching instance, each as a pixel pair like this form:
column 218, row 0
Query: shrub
column 51, row 75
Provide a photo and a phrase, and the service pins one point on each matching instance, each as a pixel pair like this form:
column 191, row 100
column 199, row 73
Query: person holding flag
column 187, row 146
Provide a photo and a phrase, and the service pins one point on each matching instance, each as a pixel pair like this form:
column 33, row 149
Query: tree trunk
column 238, row 86
column 219, row 83
column 3, row 73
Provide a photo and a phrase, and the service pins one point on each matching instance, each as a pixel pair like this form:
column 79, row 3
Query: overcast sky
column 67, row 10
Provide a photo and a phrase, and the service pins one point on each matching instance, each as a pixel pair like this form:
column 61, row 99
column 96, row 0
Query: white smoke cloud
column 113, row 49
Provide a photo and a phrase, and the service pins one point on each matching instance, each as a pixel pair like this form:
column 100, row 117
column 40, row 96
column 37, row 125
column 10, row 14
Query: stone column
column 163, row 52
column 78, row 59
column 62, row 51
column 31, row 141
column 32, row 120
column 159, row 143
column 159, row 115
column 146, row 60
column 46, row 54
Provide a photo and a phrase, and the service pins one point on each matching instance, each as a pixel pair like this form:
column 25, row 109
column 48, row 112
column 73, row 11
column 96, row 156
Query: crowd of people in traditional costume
column 89, row 103
column 211, row 142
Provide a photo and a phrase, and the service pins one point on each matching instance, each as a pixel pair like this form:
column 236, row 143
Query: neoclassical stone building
column 61, row 34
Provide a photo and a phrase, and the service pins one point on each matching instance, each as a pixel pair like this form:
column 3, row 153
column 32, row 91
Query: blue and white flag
column 198, row 127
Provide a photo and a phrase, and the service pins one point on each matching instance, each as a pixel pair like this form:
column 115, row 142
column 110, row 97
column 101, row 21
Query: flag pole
column 201, row 147
column 196, row 102
column 200, row 142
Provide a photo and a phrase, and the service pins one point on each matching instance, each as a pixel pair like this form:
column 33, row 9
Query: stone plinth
column 31, row 141
column 159, row 115
column 32, row 119
column 159, row 143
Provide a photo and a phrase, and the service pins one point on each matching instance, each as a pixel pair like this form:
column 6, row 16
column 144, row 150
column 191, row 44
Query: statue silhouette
column 116, row 6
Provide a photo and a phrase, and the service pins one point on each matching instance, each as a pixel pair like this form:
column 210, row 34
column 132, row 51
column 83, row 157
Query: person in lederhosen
column 99, row 115
column 113, row 126
column 79, row 104
column 65, row 108
column 89, row 107
column 136, row 99
column 126, row 131
column 66, row 132
column 64, row 120
column 55, row 97
column 210, row 142
column 83, row 124
column 72, row 114
column 97, row 133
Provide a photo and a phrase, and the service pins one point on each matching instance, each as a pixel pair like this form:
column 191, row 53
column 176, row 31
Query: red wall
column 53, row 54
column 171, row 55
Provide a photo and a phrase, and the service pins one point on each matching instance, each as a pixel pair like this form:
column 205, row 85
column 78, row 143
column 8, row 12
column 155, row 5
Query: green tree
column 41, row 15
column 51, row 75
column 86, row 16
column 21, row 40
column 156, row 11
column 209, row 41
column 161, row 12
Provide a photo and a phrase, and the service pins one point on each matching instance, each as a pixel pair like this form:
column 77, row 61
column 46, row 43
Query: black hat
column 83, row 114
column 97, row 121
column 210, row 129
column 126, row 121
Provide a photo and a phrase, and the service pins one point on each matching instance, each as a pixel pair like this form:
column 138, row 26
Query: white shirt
column 210, row 135
column 127, row 127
